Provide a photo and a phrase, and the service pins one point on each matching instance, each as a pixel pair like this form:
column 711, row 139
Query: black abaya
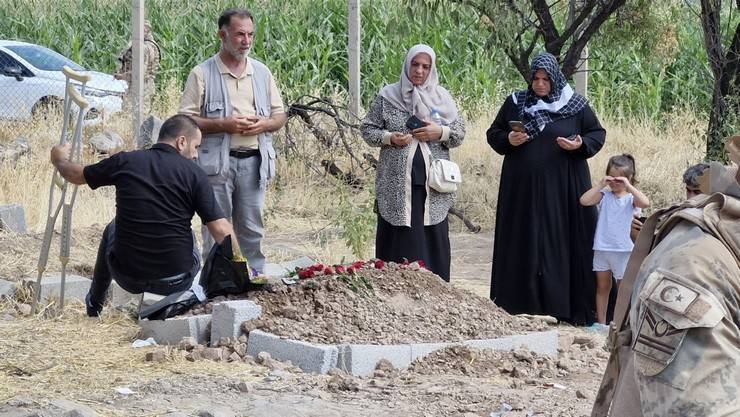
column 542, row 256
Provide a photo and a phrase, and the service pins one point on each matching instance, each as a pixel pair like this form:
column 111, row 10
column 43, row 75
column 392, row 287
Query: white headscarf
column 420, row 100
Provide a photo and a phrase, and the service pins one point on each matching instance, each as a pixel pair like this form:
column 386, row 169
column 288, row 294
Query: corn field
column 304, row 43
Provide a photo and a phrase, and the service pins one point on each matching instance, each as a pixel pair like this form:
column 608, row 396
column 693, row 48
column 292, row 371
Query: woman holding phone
column 412, row 218
column 543, row 240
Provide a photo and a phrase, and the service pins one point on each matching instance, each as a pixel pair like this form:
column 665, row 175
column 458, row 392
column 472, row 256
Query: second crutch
column 74, row 105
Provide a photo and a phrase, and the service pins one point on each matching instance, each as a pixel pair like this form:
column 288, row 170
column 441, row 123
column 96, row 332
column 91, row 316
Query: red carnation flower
column 317, row 267
column 340, row 269
column 306, row 273
column 328, row 271
column 379, row 264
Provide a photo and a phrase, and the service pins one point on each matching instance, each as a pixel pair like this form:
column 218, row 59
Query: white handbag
column 444, row 176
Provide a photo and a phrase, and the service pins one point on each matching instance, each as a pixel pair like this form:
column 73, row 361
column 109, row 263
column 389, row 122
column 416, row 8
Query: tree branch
column 710, row 22
column 577, row 22
column 731, row 72
column 547, row 25
column 573, row 55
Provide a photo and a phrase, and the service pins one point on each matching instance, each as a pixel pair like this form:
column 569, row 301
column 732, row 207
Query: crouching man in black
column 149, row 246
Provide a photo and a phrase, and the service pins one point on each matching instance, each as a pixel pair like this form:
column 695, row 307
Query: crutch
column 68, row 191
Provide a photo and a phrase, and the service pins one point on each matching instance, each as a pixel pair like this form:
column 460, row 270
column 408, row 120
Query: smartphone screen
column 516, row 126
column 414, row 122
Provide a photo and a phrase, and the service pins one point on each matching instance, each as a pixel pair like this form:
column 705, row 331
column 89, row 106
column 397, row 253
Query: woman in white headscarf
column 412, row 218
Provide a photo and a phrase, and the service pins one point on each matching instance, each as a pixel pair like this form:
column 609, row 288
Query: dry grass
column 43, row 358
column 300, row 200
column 79, row 358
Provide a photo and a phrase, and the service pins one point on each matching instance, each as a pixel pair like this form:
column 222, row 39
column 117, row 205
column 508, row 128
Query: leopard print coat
column 393, row 181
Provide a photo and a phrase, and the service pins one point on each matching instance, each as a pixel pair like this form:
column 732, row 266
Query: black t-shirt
column 157, row 193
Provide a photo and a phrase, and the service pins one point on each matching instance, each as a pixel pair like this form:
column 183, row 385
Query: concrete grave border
column 361, row 359
column 356, row 359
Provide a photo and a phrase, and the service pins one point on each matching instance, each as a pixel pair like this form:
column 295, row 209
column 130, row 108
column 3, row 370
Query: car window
column 7, row 61
column 43, row 58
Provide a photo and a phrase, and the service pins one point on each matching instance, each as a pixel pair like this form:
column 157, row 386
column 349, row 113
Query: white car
column 31, row 82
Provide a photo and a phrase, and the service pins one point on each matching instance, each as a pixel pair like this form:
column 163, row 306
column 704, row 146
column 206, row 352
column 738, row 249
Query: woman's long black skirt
column 430, row 244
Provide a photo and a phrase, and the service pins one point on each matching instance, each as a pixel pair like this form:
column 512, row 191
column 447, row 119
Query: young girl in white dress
column 618, row 200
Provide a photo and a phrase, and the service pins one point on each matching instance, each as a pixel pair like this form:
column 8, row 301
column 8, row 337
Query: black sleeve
column 203, row 199
column 104, row 172
column 592, row 133
column 498, row 134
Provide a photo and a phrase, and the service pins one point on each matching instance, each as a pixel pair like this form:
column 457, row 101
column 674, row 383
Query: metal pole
column 137, row 68
column 354, row 56
column 580, row 76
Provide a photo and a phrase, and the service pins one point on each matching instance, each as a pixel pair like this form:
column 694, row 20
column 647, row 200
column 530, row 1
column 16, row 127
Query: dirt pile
column 485, row 363
column 395, row 304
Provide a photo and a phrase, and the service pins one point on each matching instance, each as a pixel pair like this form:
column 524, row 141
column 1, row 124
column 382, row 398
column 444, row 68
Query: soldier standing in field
column 152, row 56
column 675, row 341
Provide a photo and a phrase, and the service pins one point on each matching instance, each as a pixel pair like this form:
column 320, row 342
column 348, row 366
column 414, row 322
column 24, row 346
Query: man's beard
column 236, row 54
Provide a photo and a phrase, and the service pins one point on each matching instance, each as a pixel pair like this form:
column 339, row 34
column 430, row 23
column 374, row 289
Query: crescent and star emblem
column 671, row 294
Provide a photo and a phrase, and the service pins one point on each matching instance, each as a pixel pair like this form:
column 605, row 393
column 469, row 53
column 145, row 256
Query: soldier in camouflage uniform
column 152, row 56
column 678, row 354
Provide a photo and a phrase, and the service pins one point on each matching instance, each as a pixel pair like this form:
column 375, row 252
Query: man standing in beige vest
column 677, row 351
column 237, row 105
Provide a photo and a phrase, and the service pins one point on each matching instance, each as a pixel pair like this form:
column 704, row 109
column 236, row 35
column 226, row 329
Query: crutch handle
column 76, row 97
column 70, row 73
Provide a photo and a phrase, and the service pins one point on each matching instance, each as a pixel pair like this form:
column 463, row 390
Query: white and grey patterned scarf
column 419, row 100
column 562, row 102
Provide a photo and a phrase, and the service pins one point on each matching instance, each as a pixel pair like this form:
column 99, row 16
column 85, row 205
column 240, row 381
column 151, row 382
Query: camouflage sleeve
column 151, row 58
column 124, row 66
column 685, row 327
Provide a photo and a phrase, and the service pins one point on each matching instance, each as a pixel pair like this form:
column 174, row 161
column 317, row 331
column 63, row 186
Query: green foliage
column 646, row 61
column 357, row 284
column 357, row 220
column 666, row 69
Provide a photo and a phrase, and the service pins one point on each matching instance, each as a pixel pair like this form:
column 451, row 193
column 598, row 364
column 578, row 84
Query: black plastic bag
column 221, row 274
column 170, row 306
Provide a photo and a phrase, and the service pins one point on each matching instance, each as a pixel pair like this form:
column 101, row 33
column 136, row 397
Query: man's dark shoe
column 93, row 309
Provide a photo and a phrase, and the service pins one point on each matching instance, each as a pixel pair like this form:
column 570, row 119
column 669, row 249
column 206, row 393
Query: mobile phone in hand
column 517, row 126
column 414, row 122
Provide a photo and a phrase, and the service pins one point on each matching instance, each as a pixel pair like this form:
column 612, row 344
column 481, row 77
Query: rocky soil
column 402, row 305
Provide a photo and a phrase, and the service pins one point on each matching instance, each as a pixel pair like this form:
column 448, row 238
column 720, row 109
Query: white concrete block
column 285, row 268
column 228, row 317
column 120, row 297
column 419, row 350
column 544, row 343
column 12, row 218
column 172, row 330
column 360, row 360
column 309, row 357
column 75, row 286
column 7, row 288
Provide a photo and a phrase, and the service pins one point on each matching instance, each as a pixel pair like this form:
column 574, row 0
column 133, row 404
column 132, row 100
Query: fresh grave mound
column 391, row 304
